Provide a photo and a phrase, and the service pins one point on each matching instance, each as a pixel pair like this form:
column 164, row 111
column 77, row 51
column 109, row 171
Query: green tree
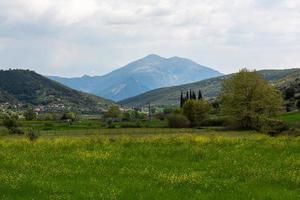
column 12, row 125
column 248, row 98
column 177, row 121
column 113, row 112
column 196, row 111
column 69, row 116
column 30, row 115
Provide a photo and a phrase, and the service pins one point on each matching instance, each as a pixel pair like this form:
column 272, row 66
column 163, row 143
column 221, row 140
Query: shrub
column 30, row 115
column 196, row 111
column 136, row 124
column 215, row 121
column 273, row 126
column 12, row 125
column 32, row 134
column 178, row 121
column 113, row 112
column 69, row 116
column 16, row 130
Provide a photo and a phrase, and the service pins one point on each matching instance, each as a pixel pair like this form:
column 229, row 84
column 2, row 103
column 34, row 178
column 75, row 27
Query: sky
column 76, row 37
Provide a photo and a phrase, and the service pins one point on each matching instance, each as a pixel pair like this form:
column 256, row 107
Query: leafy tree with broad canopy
column 248, row 98
column 196, row 111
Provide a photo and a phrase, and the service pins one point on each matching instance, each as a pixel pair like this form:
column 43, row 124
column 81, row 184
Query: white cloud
column 99, row 35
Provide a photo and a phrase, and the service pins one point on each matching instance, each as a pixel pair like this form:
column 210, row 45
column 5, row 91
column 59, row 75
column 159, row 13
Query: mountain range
column 28, row 87
column 210, row 88
column 140, row 76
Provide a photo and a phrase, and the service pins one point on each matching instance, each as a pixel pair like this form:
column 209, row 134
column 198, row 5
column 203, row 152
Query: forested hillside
column 28, row 87
column 209, row 87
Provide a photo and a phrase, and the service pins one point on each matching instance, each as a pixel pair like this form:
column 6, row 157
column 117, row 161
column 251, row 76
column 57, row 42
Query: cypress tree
column 194, row 95
column 200, row 95
column 181, row 100
column 187, row 95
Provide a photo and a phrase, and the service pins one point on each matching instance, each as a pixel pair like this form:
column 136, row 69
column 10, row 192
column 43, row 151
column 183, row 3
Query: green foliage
column 273, row 126
column 215, row 120
column 32, row 88
column 196, row 111
column 248, row 98
column 178, row 121
column 12, row 125
column 30, row 115
column 69, row 116
column 113, row 112
column 32, row 134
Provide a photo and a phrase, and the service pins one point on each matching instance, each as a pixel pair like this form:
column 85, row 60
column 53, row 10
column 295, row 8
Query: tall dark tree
column 200, row 97
column 181, row 100
column 194, row 95
column 187, row 95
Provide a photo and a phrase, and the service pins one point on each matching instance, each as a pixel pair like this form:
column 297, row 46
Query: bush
column 136, row 124
column 30, row 115
column 12, row 125
column 32, row 134
column 178, row 121
column 215, row 121
column 196, row 111
column 69, row 116
column 16, row 131
column 273, row 126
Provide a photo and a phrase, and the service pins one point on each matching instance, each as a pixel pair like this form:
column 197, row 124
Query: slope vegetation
column 29, row 87
column 209, row 87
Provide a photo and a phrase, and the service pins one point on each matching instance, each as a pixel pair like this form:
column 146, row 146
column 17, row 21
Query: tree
column 181, row 100
column 196, row 111
column 200, row 95
column 177, row 121
column 298, row 104
column 248, row 98
column 12, row 125
column 30, row 115
column 69, row 116
column 113, row 112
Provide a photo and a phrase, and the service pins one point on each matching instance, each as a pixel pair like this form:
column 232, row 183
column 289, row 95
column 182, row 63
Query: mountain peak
column 150, row 72
column 153, row 56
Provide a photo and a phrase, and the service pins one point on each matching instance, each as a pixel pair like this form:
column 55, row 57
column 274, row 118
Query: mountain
column 209, row 87
column 28, row 87
column 145, row 74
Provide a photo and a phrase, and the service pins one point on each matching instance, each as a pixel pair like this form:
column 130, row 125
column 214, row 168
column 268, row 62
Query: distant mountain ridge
column 210, row 88
column 28, row 87
column 143, row 75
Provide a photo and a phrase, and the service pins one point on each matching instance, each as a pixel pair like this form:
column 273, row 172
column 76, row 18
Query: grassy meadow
column 145, row 164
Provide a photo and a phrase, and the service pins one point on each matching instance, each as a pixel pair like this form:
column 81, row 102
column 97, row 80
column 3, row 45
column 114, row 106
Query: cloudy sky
column 76, row 37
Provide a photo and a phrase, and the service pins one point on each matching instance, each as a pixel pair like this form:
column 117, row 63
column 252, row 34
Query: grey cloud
column 63, row 37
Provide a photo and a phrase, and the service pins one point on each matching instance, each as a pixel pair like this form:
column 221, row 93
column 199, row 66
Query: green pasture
column 200, row 164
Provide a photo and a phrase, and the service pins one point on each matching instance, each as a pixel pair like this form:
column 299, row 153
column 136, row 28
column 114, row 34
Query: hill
column 28, row 87
column 140, row 76
column 290, row 86
column 209, row 87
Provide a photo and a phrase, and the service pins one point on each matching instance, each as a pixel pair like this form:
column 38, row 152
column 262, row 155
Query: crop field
column 199, row 164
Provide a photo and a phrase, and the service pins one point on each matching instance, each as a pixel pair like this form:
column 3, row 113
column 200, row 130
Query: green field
column 145, row 164
column 290, row 117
